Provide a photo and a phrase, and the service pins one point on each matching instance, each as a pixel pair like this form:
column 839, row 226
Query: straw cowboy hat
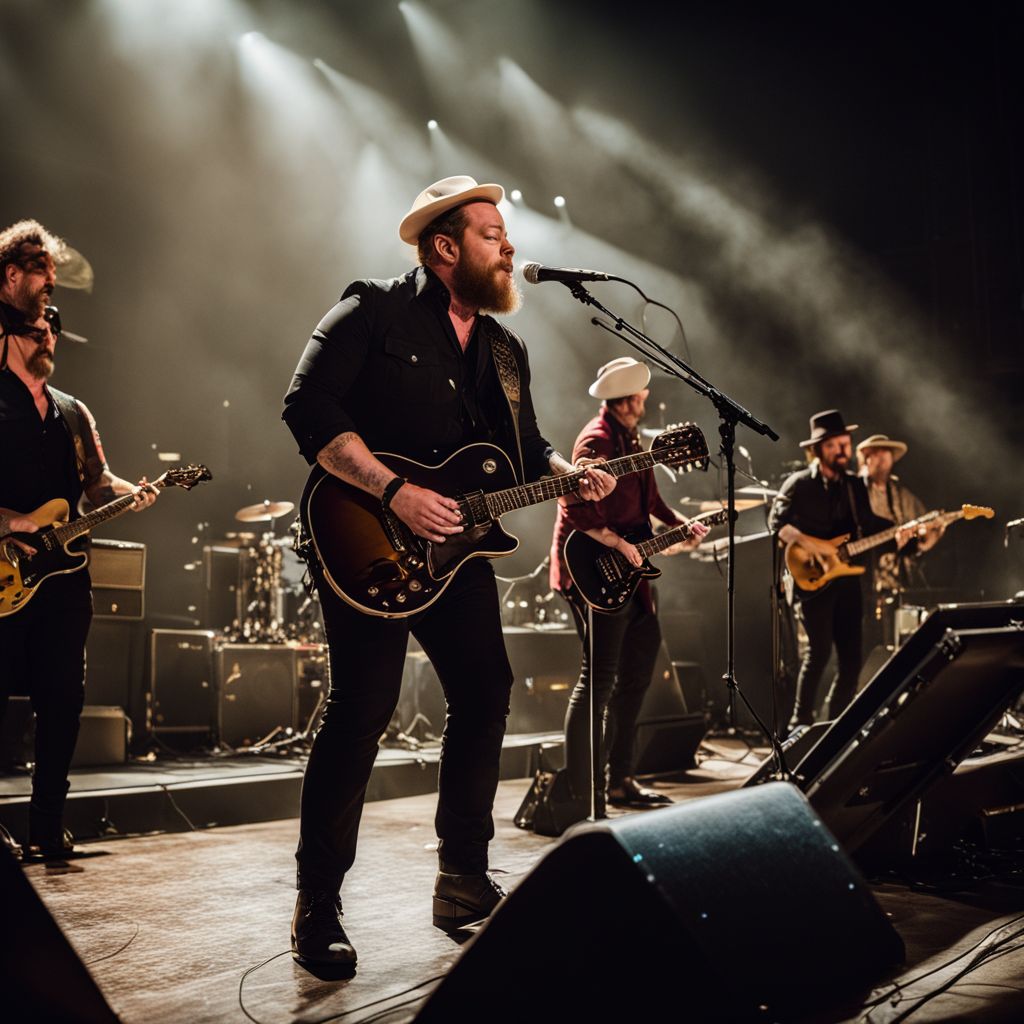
column 825, row 425
column 898, row 448
column 621, row 377
column 441, row 197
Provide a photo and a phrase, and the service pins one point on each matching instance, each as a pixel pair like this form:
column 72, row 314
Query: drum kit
column 272, row 605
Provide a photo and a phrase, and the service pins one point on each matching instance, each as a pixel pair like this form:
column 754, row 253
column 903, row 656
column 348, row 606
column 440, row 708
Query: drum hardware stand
column 730, row 414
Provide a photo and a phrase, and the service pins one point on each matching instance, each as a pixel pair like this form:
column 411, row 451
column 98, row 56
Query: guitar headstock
column 183, row 476
column 974, row 511
column 683, row 446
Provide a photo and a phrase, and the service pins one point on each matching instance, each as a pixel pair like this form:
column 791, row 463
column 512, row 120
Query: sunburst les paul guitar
column 373, row 561
column 813, row 569
column 606, row 579
column 22, row 573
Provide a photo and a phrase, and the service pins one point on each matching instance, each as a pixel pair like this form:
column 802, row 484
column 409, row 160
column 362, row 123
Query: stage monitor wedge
column 733, row 903
column 924, row 711
column 41, row 977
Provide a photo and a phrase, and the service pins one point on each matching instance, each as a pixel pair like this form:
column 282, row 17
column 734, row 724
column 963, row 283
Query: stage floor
column 170, row 923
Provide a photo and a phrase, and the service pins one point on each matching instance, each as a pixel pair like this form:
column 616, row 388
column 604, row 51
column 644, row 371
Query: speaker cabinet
column 181, row 680
column 256, row 691
column 742, row 905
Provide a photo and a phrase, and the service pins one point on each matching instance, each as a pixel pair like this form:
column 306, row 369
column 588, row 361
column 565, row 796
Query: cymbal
column 74, row 271
column 264, row 511
column 764, row 492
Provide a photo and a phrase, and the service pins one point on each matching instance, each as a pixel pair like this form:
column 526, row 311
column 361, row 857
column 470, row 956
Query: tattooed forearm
column 348, row 457
column 5, row 525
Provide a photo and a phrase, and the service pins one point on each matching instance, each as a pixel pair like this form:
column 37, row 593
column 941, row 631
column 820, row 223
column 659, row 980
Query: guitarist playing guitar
column 625, row 643
column 815, row 504
column 414, row 367
column 49, row 448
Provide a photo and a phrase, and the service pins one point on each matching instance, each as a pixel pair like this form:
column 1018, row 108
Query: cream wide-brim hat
column 621, row 377
column 442, row 196
column 898, row 448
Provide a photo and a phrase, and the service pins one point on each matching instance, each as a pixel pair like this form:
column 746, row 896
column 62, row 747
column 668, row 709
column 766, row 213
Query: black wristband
column 391, row 490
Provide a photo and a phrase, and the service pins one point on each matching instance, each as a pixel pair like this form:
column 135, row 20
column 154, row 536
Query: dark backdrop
column 831, row 201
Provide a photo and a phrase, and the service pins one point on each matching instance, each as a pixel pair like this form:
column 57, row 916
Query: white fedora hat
column 898, row 448
column 442, row 196
column 621, row 377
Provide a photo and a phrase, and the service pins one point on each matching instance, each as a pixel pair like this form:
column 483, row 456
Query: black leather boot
column 463, row 899
column 317, row 933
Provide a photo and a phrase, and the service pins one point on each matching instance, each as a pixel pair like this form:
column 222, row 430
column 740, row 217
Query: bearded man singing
column 410, row 366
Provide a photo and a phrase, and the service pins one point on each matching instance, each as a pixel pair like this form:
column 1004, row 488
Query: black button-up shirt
column 385, row 363
column 825, row 508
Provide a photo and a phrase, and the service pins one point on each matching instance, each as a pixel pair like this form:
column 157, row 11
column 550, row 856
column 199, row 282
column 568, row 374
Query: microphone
column 534, row 273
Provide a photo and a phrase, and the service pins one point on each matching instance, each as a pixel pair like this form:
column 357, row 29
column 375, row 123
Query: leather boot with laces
column 318, row 936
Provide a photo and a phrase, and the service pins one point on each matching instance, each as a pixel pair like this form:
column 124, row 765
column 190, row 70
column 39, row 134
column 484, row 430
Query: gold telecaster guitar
column 21, row 573
column 812, row 570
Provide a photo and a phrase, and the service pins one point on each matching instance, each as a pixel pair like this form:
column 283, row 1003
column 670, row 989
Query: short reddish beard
column 487, row 288
column 40, row 364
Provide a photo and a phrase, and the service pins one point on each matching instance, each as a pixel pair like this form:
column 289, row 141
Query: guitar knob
column 415, row 585
column 373, row 591
column 401, row 596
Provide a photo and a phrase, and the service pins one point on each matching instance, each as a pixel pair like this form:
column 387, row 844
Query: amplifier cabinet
column 257, row 691
column 118, row 571
column 181, row 681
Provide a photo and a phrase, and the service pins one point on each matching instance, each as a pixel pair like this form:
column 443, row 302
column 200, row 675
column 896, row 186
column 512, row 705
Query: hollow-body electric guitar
column 812, row 569
column 606, row 579
column 372, row 560
column 22, row 573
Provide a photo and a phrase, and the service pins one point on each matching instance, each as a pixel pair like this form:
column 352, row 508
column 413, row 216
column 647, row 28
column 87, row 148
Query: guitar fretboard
column 500, row 502
column 678, row 533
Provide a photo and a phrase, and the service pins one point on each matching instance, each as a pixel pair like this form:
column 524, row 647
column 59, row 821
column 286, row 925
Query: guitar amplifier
column 118, row 571
column 181, row 681
column 257, row 691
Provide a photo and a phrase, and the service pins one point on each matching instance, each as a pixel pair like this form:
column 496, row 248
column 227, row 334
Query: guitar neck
column 679, row 533
column 500, row 502
column 69, row 531
column 857, row 547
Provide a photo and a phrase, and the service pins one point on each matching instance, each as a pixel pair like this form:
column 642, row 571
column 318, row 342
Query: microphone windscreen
column 531, row 272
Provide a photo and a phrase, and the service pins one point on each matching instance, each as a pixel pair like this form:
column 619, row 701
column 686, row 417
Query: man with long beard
column 813, row 505
column 49, row 448
column 414, row 366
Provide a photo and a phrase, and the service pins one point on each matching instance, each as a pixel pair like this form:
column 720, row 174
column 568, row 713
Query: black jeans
column 43, row 648
column 461, row 634
column 626, row 645
column 830, row 616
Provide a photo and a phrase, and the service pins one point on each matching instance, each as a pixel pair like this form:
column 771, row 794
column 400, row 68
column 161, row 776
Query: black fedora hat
column 825, row 425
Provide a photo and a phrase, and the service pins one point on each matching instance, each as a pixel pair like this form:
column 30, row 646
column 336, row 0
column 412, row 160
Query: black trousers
column 831, row 617
column 626, row 647
column 461, row 634
column 43, row 649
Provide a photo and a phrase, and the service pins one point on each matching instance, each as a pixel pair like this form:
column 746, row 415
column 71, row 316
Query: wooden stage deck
column 169, row 924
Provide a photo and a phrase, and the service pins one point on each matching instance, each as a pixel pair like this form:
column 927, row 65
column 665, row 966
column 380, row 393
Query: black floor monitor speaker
column 733, row 902
column 41, row 976
column 924, row 711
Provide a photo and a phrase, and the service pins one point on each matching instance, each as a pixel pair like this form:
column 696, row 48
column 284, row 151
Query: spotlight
column 432, row 125
column 515, row 195
column 559, row 201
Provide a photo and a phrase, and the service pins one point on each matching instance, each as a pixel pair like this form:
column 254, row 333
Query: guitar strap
column 508, row 374
column 89, row 464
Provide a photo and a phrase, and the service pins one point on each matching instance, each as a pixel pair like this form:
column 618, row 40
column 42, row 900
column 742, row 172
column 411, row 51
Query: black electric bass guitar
column 373, row 561
column 606, row 579
column 21, row 573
